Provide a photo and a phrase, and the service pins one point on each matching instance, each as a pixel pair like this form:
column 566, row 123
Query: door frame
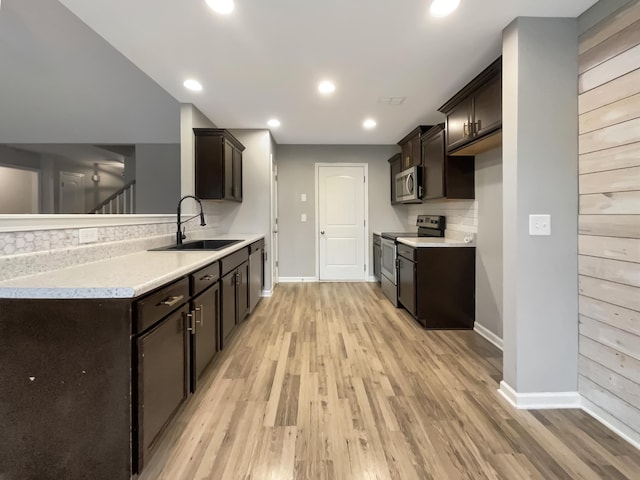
column 273, row 224
column 366, row 273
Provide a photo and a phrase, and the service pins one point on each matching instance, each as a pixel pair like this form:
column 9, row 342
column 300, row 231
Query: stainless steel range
column 428, row 226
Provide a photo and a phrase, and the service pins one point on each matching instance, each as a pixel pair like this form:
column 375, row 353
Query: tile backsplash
column 462, row 216
column 38, row 251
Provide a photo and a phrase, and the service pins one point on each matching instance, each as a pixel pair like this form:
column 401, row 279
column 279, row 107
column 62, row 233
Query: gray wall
column 157, row 173
column 539, row 176
column 488, row 183
column 296, row 175
column 63, row 83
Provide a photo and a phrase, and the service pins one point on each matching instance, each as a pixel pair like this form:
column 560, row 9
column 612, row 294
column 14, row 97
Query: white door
column 341, row 221
column 274, row 222
column 71, row 194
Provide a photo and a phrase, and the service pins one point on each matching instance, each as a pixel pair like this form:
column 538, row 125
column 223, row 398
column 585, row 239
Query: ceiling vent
column 394, row 101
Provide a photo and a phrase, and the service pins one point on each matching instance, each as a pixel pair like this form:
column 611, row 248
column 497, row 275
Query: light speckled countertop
column 126, row 276
column 421, row 242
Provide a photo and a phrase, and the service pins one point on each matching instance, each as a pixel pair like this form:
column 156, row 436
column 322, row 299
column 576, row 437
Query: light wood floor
column 330, row 381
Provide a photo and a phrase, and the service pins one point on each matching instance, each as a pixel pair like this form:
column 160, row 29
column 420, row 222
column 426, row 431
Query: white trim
column 18, row 223
column 365, row 166
column 297, row 279
column 372, row 279
column 488, row 335
column 266, row 293
column 611, row 422
column 539, row 400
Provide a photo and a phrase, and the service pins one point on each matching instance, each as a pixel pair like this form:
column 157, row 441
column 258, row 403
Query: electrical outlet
column 539, row 225
column 303, row 197
column 88, row 235
column 303, row 217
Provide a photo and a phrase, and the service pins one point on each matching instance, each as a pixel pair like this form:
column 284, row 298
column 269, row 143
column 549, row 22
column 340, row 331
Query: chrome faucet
column 180, row 235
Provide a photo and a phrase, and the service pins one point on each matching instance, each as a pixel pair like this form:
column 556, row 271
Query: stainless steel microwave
column 409, row 185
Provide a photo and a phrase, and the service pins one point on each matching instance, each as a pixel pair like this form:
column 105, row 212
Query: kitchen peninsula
column 83, row 351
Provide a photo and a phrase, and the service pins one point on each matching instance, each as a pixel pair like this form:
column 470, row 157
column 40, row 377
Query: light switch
column 539, row 224
column 303, row 197
column 303, row 217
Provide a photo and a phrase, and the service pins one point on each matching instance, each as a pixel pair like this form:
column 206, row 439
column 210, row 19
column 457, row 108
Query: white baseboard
column 266, row 293
column 611, row 422
column 488, row 335
column 540, row 400
column 372, row 279
column 297, row 279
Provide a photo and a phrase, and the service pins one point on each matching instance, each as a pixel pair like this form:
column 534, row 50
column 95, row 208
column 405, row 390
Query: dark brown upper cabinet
column 443, row 175
column 395, row 167
column 218, row 165
column 410, row 145
column 474, row 114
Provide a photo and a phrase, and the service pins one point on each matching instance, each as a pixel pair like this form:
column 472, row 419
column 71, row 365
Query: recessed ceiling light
column 274, row 122
column 369, row 123
column 224, row 7
column 442, row 8
column 326, row 87
column 192, row 84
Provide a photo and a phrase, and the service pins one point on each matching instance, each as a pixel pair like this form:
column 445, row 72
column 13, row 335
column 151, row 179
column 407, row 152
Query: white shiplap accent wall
column 609, row 220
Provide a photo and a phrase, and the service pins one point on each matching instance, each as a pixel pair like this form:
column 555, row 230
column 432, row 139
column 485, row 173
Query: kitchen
column 241, row 218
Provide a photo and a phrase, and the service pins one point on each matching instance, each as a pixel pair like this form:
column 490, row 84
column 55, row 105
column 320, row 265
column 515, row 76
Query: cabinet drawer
column 406, row 251
column 230, row 262
column 158, row 304
column 256, row 246
column 204, row 278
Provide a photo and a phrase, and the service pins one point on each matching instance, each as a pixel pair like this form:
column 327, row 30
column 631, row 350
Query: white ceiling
column 266, row 58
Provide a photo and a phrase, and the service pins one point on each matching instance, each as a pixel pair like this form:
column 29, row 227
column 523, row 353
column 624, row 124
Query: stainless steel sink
column 200, row 245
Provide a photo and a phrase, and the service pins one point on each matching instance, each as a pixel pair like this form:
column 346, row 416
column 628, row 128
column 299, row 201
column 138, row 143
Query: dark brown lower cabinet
column 205, row 309
column 234, row 292
column 438, row 289
column 163, row 362
column 228, row 311
column 407, row 284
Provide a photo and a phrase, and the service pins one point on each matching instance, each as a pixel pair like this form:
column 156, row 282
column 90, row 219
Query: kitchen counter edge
column 127, row 276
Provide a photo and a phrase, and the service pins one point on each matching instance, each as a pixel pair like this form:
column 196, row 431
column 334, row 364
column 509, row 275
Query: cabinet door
column 237, row 174
column 242, row 292
column 228, row 170
column 162, row 377
column 209, row 167
column 458, row 120
column 395, row 167
column 433, row 162
column 407, row 284
column 487, row 105
column 256, row 267
column 228, row 306
column 204, row 331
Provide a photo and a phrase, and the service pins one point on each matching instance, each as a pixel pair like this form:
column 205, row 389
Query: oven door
column 388, row 264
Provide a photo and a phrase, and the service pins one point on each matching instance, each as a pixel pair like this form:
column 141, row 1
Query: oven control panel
column 431, row 221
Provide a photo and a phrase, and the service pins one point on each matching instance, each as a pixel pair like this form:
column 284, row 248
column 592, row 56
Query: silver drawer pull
column 171, row 301
column 208, row 278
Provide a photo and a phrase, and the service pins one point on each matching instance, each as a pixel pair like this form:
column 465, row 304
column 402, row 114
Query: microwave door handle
column 409, row 184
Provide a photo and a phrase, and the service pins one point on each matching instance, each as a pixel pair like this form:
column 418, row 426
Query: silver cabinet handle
column 171, row 301
column 208, row 278
column 192, row 324
column 201, row 310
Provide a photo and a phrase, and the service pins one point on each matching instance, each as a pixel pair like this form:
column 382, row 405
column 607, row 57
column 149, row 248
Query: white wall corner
column 540, row 400
column 488, row 335
column 266, row 293
column 297, row 279
column 372, row 279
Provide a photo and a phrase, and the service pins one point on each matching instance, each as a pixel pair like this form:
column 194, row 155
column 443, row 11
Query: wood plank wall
column 609, row 217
